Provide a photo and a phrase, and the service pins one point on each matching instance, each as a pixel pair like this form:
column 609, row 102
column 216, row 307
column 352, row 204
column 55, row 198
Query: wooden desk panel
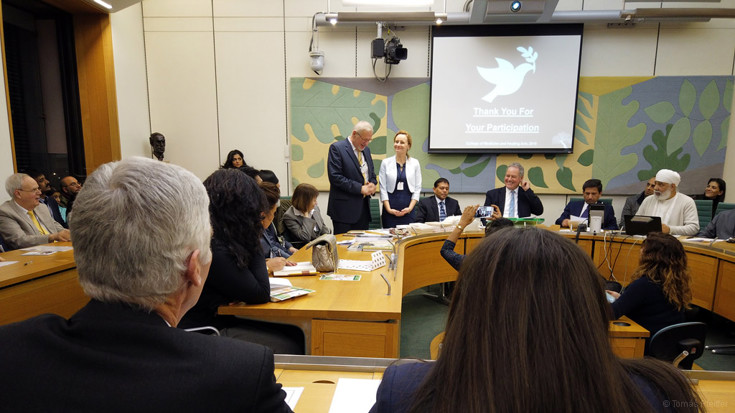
column 39, row 284
column 421, row 263
column 725, row 293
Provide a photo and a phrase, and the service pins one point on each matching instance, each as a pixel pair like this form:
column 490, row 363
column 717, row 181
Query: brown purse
column 324, row 253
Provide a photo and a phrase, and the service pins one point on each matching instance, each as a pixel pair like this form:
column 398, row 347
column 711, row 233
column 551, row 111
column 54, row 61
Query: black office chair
column 679, row 344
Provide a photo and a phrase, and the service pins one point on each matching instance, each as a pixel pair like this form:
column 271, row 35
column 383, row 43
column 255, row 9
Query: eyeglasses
column 73, row 184
column 36, row 189
column 364, row 139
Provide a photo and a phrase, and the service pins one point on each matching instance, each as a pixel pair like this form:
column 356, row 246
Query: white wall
column 6, row 151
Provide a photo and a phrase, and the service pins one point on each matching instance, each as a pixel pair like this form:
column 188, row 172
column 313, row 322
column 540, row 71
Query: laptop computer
column 641, row 224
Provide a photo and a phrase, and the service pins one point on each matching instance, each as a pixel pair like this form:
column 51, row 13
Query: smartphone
column 484, row 212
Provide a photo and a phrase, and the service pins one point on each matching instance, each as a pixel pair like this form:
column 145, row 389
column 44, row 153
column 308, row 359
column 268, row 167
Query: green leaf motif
column 585, row 159
column 702, row 136
column 472, row 158
column 709, row 100
column 580, row 136
column 456, row 171
column 297, row 152
column 536, row 176
column 660, row 112
column 475, row 170
column 687, row 97
column 560, row 160
column 316, row 170
column 659, row 159
column 584, row 102
column 378, row 145
column 549, row 156
column 727, row 96
column 613, row 135
column 525, row 155
column 564, row 176
column 678, row 136
column 295, row 182
column 324, row 105
column 723, row 133
column 500, row 172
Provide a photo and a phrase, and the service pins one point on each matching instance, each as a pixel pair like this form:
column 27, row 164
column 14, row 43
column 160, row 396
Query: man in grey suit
column 24, row 222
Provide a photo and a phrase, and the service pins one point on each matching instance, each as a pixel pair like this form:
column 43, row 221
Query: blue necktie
column 586, row 214
column 442, row 211
column 512, row 205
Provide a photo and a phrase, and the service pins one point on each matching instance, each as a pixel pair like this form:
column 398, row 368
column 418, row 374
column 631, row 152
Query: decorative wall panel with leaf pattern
column 626, row 129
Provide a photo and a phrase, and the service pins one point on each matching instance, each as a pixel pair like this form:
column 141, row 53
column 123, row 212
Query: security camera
column 394, row 51
column 316, row 61
column 515, row 6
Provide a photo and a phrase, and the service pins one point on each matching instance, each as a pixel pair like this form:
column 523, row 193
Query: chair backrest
column 374, row 214
column 278, row 217
column 704, row 211
column 679, row 344
column 606, row 201
column 722, row 206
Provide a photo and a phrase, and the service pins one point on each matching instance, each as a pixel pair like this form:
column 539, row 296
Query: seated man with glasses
column 24, row 222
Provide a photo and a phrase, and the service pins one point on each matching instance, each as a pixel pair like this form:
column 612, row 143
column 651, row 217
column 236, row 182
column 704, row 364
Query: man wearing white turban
column 677, row 211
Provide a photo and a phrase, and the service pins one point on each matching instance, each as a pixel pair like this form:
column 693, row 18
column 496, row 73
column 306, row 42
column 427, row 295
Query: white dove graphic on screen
column 508, row 79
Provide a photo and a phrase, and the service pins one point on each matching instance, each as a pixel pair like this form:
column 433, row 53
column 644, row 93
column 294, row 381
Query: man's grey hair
column 521, row 171
column 135, row 223
column 363, row 126
column 15, row 181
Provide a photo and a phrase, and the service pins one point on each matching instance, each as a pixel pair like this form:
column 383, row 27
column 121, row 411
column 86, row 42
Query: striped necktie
column 38, row 225
column 442, row 211
column 512, row 205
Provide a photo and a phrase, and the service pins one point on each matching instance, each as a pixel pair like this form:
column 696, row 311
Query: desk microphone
column 581, row 227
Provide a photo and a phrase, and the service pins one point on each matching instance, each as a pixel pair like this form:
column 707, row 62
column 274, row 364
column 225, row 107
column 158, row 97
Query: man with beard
column 677, row 211
column 70, row 187
column 633, row 202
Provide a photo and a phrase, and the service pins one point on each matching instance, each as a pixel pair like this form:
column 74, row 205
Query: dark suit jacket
column 400, row 382
column 528, row 202
column 427, row 209
column 575, row 208
column 55, row 212
column 113, row 358
column 345, row 181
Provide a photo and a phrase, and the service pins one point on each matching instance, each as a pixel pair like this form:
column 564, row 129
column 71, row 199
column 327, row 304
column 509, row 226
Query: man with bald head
column 678, row 212
column 352, row 180
column 24, row 222
column 70, row 187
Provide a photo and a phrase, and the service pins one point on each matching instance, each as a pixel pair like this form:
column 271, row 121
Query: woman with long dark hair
column 661, row 287
column 715, row 190
column 237, row 207
column 527, row 331
column 235, row 159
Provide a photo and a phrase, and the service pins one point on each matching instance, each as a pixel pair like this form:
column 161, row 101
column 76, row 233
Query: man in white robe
column 677, row 211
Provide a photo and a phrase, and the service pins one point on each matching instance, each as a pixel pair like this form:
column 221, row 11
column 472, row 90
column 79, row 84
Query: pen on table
column 28, row 262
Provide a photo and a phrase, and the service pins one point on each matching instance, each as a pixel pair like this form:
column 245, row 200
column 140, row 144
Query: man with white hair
column 24, row 222
column 678, row 212
column 143, row 257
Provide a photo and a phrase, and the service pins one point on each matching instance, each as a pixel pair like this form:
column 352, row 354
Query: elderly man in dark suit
column 352, row 180
column 143, row 257
column 516, row 199
column 592, row 191
column 430, row 209
column 24, row 221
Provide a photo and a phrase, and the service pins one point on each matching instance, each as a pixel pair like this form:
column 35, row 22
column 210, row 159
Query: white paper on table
column 4, row 263
column 712, row 240
column 292, row 396
column 47, row 249
column 354, row 395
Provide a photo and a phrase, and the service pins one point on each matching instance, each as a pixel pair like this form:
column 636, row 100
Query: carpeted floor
column 422, row 319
